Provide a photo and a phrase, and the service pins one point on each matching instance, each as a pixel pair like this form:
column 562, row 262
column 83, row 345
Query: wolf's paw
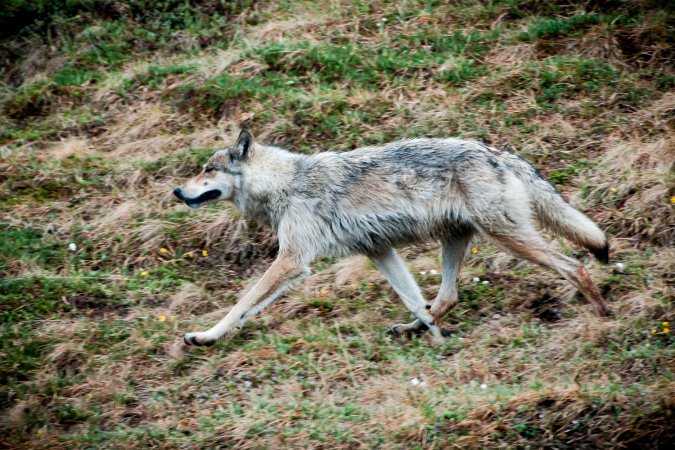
column 413, row 328
column 198, row 339
column 603, row 311
column 404, row 329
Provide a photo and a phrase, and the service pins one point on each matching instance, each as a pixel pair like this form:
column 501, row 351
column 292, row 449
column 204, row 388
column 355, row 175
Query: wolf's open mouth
column 205, row 197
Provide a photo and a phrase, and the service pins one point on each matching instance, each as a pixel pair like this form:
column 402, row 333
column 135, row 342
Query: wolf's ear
column 240, row 149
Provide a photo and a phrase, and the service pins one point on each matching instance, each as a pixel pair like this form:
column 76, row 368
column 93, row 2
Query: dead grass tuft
column 67, row 359
column 512, row 55
column 641, row 188
column 75, row 147
column 18, row 415
column 560, row 413
column 187, row 300
column 600, row 44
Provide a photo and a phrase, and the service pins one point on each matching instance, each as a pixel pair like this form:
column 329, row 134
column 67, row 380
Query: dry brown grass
column 318, row 370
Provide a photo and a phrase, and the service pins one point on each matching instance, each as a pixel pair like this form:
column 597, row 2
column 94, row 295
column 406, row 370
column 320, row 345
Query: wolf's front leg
column 280, row 274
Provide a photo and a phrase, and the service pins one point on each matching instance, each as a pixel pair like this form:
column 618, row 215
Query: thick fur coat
column 374, row 199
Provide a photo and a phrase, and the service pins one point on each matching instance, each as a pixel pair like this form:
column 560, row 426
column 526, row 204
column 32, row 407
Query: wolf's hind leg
column 452, row 257
column 454, row 250
column 529, row 245
column 392, row 267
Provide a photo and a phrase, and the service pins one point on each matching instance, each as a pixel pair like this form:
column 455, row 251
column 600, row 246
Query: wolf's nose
column 178, row 192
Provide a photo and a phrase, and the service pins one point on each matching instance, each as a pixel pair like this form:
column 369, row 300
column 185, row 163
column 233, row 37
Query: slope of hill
column 105, row 106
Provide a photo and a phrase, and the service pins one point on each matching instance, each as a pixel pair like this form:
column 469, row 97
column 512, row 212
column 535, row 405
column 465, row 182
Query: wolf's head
column 221, row 175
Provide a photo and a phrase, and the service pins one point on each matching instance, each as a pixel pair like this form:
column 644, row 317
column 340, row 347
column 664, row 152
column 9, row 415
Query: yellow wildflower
column 205, row 253
column 163, row 251
column 474, row 250
column 161, row 318
column 144, row 273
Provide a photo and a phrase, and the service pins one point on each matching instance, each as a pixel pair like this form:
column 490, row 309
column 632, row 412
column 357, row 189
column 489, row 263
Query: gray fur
column 399, row 194
column 373, row 199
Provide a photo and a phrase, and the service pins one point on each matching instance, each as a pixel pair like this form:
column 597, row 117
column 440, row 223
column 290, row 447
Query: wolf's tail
column 556, row 215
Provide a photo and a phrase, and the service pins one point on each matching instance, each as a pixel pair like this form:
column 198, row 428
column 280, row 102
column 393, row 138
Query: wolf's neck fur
column 266, row 179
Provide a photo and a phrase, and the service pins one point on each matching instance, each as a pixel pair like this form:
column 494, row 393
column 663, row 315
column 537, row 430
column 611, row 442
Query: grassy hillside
column 106, row 106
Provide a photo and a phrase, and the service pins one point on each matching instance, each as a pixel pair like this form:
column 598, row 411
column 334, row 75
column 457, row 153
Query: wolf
column 372, row 200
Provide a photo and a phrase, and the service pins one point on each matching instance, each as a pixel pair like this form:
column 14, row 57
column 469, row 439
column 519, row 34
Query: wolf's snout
column 178, row 192
column 193, row 202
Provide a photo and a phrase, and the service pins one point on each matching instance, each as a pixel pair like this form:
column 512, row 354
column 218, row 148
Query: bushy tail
column 558, row 216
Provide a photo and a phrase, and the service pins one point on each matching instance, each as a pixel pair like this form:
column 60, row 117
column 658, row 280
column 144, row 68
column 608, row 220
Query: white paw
column 397, row 328
column 405, row 328
column 436, row 335
column 199, row 339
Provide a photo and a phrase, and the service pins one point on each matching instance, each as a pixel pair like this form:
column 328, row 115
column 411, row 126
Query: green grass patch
column 68, row 76
column 563, row 76
column 41, row 297
column 155, row 75
column 365, row 66
column 561, row 177
column 29, row 244
column 558, row 27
